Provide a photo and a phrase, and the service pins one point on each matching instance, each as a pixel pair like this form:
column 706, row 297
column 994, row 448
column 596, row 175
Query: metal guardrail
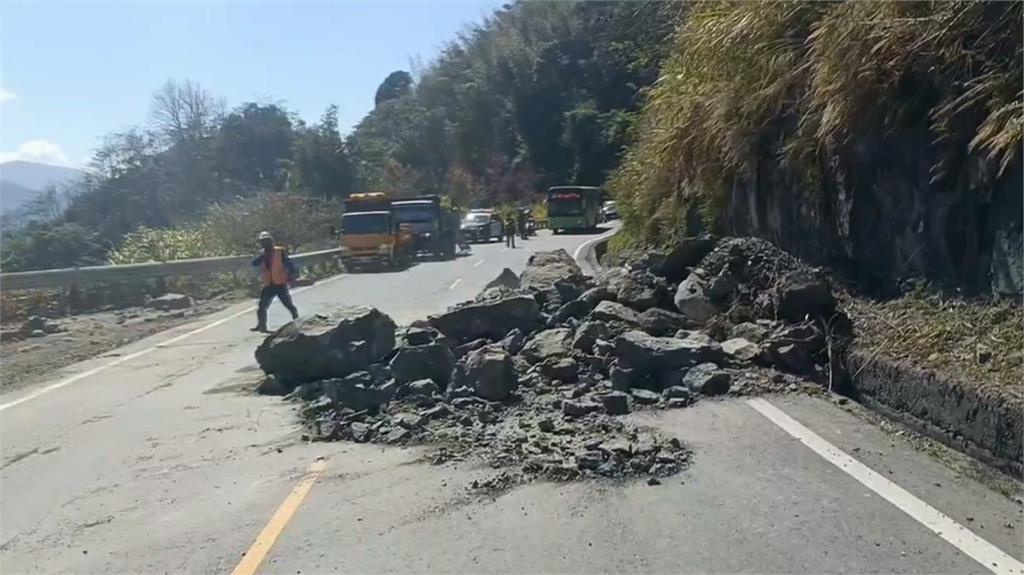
column 67, row 277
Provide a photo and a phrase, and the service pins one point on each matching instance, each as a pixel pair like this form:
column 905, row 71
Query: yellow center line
column 265, row 540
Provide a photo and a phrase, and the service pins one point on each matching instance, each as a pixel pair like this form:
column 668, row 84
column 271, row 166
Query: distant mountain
column 14, row 195
column 20, row 181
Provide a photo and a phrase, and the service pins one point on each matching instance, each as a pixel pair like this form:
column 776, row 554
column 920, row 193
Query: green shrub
column 801, row 80
column 295, row 221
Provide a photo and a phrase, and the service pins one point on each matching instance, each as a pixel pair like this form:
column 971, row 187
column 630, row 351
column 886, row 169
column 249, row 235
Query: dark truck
column 433, row 226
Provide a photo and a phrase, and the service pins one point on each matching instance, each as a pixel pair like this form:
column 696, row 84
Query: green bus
column 573, row 208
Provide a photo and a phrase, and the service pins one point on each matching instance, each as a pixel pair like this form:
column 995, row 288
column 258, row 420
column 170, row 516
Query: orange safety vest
column 273, row 269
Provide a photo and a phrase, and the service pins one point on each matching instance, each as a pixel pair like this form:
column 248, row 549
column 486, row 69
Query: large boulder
column 741, row 350
column 588, row 333
column 750, row 331
column 802, row 293
column 548, row 343
column 576, row 308
column 687, row 253
column 513, row 342
column 692, row 301
column 433, row 361
column 507, row 279
column 416, row 335
column 649, row 354
column 661, row 322
column 564, row 369
column 490, row 320
column 641, row 291
column 596, row 295
column 609, row 311
column 544, row 269
column 328, row 346
column 708, row 379
column 355, row 391
column 490, row 372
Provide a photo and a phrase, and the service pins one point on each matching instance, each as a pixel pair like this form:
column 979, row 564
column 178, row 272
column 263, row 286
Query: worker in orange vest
column 277, row 271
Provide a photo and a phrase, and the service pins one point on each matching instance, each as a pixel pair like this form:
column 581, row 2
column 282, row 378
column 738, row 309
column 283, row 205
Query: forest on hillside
column 881, row 138
column 538, row 93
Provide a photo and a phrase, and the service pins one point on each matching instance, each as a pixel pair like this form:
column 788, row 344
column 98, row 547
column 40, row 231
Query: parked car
column 482, row 226
column 609, row 211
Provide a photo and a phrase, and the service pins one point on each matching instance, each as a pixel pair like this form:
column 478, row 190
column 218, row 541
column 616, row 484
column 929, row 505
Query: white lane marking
column 479, row 263
column 454, row 283
column 941, row 524
column 80, row 376
column 580, row 248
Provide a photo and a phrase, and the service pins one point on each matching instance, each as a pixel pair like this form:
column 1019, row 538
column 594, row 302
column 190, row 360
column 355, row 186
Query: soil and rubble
column 533, row 376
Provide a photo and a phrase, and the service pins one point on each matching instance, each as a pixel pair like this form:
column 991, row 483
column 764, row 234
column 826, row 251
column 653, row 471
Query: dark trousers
column 510, row 238
column 267, row 295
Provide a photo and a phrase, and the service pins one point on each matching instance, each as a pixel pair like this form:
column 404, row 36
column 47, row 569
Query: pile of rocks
column 533, row 374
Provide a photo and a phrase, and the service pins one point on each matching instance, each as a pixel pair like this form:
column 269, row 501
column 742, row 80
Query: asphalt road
column 164, row 462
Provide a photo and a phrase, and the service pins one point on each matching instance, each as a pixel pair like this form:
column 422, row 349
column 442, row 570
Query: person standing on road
column 277, row 271
column 510, row 229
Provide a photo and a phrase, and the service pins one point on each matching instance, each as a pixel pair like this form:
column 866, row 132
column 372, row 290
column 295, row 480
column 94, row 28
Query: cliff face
column 881, row 138
column 878, row 216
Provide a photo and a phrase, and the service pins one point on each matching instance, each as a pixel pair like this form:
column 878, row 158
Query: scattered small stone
column 615, row 403
column 579, row 408
column 708, row 379
column 653, row 481
column 677, row 392
column 410, row 420
column 645, row 396
column 422, row 387
column 397, row 435
column 546, row 425
column 590, row 460
column 437, row 412
column 360, row 432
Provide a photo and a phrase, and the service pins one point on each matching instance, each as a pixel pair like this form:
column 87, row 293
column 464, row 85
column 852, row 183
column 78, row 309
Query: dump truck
column 371, row 236
column 434, row 227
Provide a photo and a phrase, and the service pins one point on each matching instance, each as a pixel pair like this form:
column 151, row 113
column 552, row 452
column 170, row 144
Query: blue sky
column 71, row 72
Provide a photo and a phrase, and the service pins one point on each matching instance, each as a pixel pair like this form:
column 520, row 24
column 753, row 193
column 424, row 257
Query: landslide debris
column 533, row 376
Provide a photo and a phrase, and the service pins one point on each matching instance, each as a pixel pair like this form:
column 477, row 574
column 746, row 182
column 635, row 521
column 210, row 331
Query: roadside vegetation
column 978, row 342
column 799, row 84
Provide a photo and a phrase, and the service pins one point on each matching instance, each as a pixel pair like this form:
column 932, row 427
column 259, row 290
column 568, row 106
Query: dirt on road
column 25, row 359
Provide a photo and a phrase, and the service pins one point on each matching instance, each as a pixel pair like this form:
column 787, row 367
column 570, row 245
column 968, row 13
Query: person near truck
column 510, row 228
column 276, row 271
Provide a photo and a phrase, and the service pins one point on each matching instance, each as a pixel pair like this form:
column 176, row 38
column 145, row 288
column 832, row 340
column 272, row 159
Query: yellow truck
column 371, row 236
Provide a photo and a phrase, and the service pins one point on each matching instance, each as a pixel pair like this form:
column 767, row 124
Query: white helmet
column 265, row 236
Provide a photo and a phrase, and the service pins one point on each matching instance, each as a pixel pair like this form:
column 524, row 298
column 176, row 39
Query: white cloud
column 6, row 96
column 42, row 151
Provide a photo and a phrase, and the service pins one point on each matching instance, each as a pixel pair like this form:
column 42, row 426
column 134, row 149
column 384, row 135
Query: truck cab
column 370, row 234
column 431, row 225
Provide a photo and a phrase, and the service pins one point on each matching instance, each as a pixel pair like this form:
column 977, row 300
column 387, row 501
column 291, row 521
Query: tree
column 397, row 85
column 52, row 246
column 320, row 163
column 254, row 146
column 185, row 112
column 122, row 151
